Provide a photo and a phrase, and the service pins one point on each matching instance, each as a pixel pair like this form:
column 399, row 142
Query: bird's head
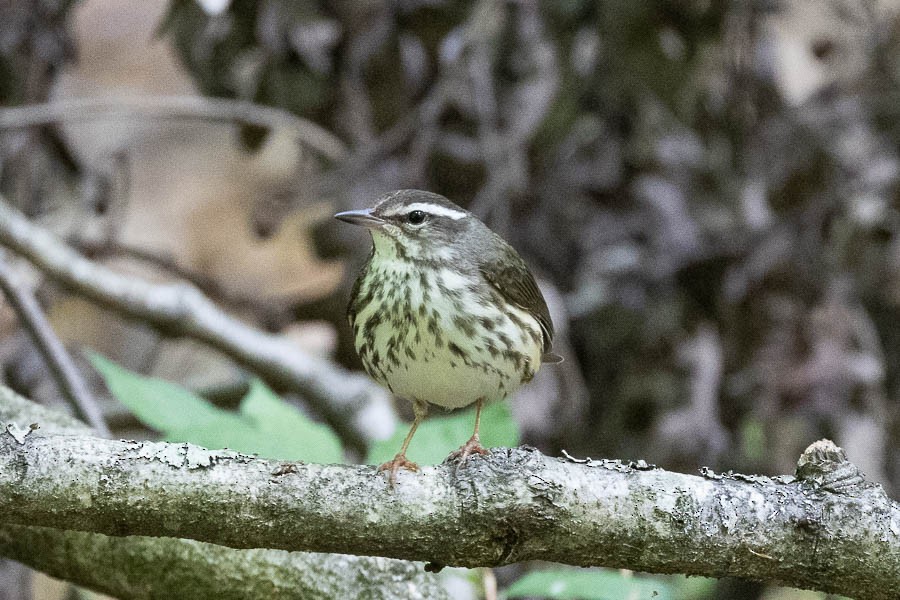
column 414, row 224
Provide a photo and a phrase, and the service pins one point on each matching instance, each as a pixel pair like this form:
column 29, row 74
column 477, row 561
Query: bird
column 444, row 311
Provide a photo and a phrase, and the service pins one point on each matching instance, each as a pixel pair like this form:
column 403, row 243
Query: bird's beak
column 362, row 217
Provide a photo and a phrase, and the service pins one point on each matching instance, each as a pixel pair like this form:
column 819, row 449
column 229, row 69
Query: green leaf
column 753, row 439
column 438, row 436
column 265, row 424
column 158, row 404
column 594, row 584
column 284, row 432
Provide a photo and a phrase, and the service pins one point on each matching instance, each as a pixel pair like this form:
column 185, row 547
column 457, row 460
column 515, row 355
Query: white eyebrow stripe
column 434, row 209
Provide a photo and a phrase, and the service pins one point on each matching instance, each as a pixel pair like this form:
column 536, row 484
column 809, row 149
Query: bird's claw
column 473, row 446
column 286, row 468
column 393, row 466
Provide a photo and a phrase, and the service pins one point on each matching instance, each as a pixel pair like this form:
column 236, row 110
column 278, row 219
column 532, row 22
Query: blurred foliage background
column 707, row 190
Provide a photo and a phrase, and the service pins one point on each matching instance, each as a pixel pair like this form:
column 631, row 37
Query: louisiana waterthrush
column 444, row 312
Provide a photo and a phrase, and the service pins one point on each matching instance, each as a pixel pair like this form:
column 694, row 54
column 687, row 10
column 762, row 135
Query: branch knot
column 825, row 465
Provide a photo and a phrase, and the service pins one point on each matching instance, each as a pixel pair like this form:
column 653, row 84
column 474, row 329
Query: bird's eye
column 416, row 217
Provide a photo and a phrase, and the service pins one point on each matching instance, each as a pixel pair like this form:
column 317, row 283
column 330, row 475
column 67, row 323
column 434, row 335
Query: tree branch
column 132, row 566
column 174, row 107
column 351, row 403
column 827, row 530
column 61, row 366
column 141, row 567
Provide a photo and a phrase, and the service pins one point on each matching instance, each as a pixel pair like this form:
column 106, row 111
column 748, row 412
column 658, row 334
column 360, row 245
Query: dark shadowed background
column 707, row 192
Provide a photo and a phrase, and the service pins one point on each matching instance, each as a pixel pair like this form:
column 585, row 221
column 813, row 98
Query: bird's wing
column 512, row 279
column 353, row 307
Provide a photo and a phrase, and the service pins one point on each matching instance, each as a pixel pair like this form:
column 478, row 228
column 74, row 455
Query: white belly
column 421, row 352
column 452, row 387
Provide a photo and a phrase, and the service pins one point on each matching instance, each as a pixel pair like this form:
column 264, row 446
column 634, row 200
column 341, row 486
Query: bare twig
column 112, row 248
column 414, row 124
column 62, row 368
column 268, row 311
column 173, row 107
column 352, row 404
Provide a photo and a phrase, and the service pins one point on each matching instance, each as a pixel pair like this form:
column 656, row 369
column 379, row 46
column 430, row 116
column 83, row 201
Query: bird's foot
column 285, row 468
column 393, row 466
column 473, row 446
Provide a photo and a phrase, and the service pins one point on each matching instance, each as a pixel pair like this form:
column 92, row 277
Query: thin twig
column 173, row 107
column 352, row 404
column 267, row 311
column 112, row 248
column 66, row 375
column 422, row 116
